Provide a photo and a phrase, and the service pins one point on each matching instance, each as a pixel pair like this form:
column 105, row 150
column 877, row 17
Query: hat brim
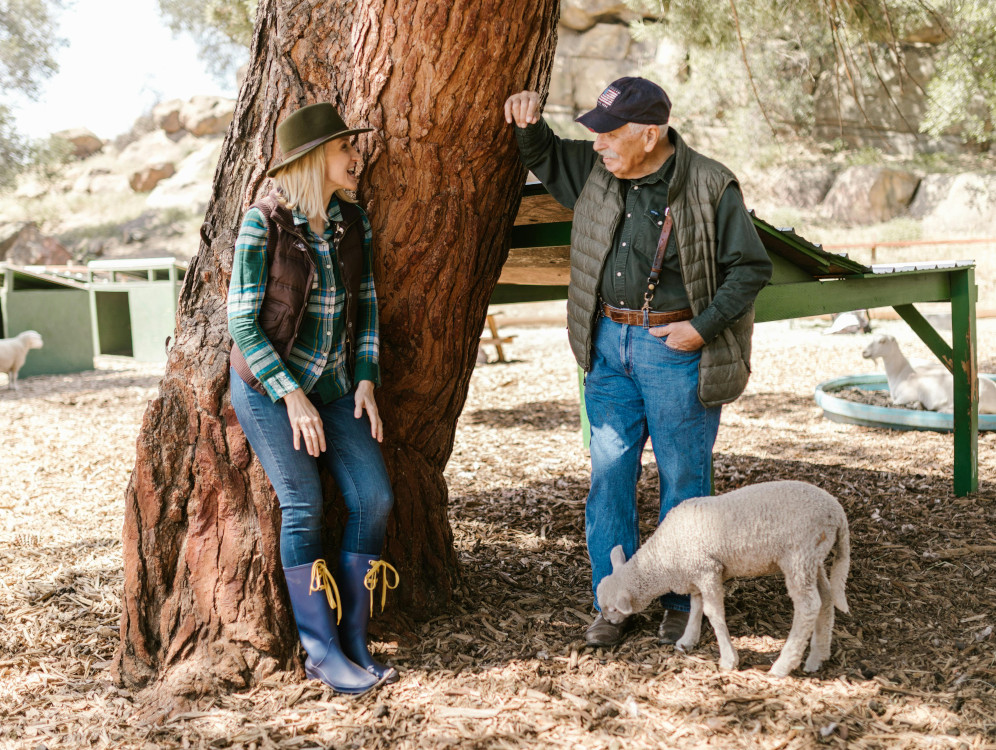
column 341, row 134
column 600, row 121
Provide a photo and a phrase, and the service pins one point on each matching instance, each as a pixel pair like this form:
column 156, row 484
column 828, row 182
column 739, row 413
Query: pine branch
column 750, row 73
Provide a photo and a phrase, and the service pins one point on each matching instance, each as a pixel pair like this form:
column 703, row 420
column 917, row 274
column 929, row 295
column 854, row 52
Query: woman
column 303, row 317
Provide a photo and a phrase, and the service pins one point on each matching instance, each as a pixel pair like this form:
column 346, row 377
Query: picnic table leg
column 497, row 339
column 966, row 382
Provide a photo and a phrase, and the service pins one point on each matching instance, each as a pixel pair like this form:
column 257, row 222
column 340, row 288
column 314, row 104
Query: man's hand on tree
column 523, row 108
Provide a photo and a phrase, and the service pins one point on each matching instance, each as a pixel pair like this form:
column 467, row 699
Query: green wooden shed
column 133, row 305
column 54, row 302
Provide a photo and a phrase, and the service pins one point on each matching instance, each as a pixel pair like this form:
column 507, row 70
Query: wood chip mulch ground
column 913, row 665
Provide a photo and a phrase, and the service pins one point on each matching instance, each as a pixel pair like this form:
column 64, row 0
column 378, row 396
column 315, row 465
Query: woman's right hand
column 305, row 422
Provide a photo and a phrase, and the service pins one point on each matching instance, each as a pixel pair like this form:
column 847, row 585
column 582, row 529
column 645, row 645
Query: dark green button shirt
column 563, row 167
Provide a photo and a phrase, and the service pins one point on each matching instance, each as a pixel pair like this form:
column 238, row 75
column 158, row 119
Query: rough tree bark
column 204, row 606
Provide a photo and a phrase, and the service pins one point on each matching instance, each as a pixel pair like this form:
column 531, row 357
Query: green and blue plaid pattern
column 319, row 357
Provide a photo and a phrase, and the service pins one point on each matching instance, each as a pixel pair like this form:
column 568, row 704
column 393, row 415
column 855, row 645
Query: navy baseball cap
column 625, row 100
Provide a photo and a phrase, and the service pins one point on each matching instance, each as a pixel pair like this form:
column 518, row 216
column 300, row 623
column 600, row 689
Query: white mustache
column 609, row 154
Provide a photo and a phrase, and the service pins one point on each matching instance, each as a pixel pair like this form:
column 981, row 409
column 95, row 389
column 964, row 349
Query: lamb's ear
column 617, row 557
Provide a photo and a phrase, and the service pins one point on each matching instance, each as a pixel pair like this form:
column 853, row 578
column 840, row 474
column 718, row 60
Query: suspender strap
column 655, row 271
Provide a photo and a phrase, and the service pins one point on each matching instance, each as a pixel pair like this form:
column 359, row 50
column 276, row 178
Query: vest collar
column 681, row 157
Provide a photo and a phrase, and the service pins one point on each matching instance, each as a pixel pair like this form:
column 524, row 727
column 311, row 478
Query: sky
column 119, row 61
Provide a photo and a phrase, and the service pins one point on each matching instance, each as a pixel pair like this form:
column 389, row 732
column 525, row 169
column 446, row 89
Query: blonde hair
column 302, row 182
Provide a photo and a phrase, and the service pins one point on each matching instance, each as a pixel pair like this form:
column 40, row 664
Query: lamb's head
column 614, row 599
column 880, row 346
column 30, row 339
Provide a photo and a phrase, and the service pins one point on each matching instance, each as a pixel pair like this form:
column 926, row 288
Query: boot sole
column 316, row 675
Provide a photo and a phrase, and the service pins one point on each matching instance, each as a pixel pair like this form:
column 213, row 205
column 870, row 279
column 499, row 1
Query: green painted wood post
column 585, row 425
column 927, row 334
column 966, row 382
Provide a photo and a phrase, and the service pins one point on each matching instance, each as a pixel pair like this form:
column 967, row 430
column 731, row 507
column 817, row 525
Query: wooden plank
column 537, row 265
column 542, row 209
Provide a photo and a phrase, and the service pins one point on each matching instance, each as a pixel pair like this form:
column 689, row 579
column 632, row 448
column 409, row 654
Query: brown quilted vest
column 291, row 273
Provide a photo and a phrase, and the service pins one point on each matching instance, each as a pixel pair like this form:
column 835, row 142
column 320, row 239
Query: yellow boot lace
column 370, row 581
column 322, row 580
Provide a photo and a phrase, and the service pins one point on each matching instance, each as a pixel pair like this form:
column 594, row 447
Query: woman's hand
column 365, row 400
column 305, row 422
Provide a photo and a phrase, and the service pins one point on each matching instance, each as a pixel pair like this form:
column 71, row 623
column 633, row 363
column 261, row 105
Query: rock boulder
column 869, row 194
column 148, row 177
column 190, row 187
column 207, row 115
column 23, row 244
column 963, row 203
column 166, row 115
column 84, row 142
column 581, row 15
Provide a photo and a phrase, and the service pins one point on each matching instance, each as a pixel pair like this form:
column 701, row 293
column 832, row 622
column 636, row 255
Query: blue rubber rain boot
column 313, row 597
column 358, row 576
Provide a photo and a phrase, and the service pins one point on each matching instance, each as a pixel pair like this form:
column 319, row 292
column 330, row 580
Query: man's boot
column 358, row 576
column 313, row 597
column 672, row 626
column 604, row 633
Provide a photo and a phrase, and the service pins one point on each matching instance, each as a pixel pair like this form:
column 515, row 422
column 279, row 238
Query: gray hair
column 639, row 127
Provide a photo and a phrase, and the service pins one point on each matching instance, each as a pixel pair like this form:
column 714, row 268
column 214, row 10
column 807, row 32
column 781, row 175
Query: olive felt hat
column 307, row 129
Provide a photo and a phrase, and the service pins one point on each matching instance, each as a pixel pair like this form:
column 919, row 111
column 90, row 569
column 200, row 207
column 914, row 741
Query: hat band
column 307, row 146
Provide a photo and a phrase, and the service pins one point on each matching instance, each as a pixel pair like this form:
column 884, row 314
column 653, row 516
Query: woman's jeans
column 352, row 456
column 640, row 387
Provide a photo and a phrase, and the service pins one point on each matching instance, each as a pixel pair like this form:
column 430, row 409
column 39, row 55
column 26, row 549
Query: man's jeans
column 640, row 387
column 352, row 456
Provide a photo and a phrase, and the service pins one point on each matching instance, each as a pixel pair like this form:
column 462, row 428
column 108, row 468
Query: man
column 662, row 333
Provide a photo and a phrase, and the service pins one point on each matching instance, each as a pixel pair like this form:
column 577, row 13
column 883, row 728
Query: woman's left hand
column 365, row 400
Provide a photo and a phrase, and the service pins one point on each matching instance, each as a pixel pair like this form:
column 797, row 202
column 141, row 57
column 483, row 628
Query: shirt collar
column 663, row 173
column 334, row 214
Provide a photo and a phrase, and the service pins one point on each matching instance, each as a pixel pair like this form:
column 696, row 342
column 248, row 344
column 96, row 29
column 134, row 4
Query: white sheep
column 14, row 351
column 755, row 530
column 930, row 385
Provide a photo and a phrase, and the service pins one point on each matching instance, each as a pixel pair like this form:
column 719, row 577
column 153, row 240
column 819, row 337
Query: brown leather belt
column 635, row 317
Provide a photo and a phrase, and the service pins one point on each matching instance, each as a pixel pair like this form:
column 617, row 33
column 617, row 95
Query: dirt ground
column 913, row 664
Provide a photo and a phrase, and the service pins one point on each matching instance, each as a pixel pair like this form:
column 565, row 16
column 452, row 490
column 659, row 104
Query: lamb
column 930, row 385
column 14, row 351
column 755, row 530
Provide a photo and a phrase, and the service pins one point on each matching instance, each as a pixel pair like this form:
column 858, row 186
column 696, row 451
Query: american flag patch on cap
column 608, row 96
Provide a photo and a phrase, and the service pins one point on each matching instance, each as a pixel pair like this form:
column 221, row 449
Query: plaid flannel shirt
column 318, row 359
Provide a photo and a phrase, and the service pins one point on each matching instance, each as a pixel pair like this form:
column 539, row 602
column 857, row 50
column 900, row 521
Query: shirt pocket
column 655, row 226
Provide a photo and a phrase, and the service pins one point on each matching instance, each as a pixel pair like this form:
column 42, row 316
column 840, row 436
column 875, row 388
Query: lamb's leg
column 800, row 580
column 712, row 604
column 819, row 645
column 12, row 379
column 693, row 630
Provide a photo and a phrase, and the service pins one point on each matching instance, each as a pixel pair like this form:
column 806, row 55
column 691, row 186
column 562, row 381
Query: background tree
column 774, row 61
column 28, row 42
column 963, row 90
column 203, row 602
column 222, row 29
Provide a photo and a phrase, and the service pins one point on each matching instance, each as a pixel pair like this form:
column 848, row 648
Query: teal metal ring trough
column 839, row 409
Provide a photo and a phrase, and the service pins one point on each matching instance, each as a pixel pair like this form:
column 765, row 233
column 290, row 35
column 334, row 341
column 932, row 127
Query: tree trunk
column 204, row 605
